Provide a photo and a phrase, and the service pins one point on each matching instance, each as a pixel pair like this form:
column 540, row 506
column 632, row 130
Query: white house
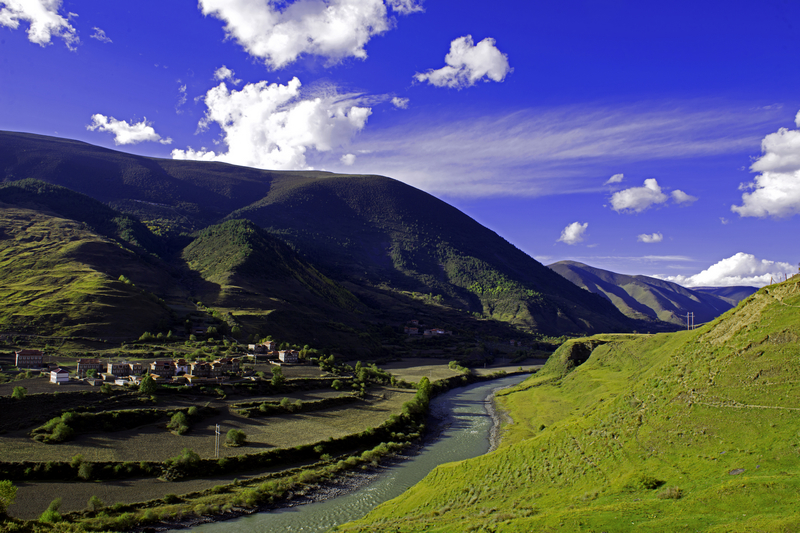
column 289, row 356
column 59, row 376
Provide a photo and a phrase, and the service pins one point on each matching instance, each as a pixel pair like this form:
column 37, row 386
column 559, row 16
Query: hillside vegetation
column 374, row 236
column 650, row 299
column 60, row 278
column 687, row 431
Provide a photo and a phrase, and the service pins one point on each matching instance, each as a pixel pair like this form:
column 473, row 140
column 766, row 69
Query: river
column 463, row 425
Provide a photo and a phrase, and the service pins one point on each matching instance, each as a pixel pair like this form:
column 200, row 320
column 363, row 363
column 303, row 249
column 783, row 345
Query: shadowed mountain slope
column 643, row 297
column 371, row 232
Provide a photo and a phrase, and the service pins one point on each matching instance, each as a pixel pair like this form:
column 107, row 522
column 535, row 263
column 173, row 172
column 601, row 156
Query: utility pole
column 689, row 321
column 216, row 443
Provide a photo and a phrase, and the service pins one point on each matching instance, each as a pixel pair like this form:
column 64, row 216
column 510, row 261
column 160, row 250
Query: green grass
column 711, row 415
column 59, row 278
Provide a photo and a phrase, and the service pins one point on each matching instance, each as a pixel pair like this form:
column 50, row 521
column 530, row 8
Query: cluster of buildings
column 176, row 370
column 266, row 351
column 415, row 328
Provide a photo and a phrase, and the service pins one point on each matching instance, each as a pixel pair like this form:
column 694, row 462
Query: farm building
column 28, row 359
column 59, row 376
column 288, row 356
column 84, row 365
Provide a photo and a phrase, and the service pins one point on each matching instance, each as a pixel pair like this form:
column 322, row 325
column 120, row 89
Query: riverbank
column 442, row 425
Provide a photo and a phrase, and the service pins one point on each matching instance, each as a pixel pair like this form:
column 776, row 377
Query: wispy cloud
column 101, row 36
column 553, row 151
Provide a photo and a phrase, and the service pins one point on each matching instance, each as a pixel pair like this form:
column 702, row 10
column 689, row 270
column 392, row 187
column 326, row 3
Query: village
column 163, row 371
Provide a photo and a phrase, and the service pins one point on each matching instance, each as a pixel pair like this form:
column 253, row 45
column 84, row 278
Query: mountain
column 684, row 431
column 732, row 295
column 62, row 256
column 646, row 298
column 378, row 238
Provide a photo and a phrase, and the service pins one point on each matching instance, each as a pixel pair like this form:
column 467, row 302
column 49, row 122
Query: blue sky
column 641, row 138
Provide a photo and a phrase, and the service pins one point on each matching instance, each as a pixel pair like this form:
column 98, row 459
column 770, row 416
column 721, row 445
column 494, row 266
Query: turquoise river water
column 464, row 426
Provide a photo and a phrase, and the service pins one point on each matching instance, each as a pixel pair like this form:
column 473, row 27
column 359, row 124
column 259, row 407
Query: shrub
column 51, row 515
column 179, row 423
column 85, row 471
column 8, row 493
column 277, row 377
column 95, row 504
column 148, row 385
column 235, row 437
column 674, row 493
column 19, row 393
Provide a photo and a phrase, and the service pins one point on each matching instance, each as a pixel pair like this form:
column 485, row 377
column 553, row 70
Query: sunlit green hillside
column 689, row 431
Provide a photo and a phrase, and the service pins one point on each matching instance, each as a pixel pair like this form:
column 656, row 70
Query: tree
column 179, row 423
column 91, row 373
column 51, row 514
column 19, row 393
column 95, row 504
column 235, row 437
column 277, row 376
column 148, row 385
column 8, row 493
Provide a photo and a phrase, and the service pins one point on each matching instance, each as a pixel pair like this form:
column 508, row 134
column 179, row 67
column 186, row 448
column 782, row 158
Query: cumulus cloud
column 680, row 197
column 573, row 234
column 100, row 35
column 776, row 189
column 616, row 178
column 400, row 103
column 404, row 7
column 739, row 269
column 224, row 73
column 651, row 238
column 278, row 32
column 273, row 126
column 348, row 159
column 43, row 19
column 125, row 133
column 467, row 63
column 638, row 199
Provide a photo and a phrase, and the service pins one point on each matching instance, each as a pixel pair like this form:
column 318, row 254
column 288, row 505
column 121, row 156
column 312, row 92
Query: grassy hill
column 687, row 431
column 58, row 277
column 646, row 298
column 375, row 236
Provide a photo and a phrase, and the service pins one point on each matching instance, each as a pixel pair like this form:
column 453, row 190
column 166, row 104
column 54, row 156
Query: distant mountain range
column 646, row 298
column 316, row 256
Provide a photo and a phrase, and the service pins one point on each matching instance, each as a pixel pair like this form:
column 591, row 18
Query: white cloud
column 776, row 190
column 100, row 35
column 400, row 103
column 273, row 126
column 348, row 159
column 638, row 199
column 43, row 19
column 573, row 234
column 616, row 178
column 651, row 238
column 467, row 63
column 739, row 269
column 181, row 98
column 680, row 197
column 538, row 152
column 279, row 32
column 404, row 7
column 224, row 73
column 125, row 133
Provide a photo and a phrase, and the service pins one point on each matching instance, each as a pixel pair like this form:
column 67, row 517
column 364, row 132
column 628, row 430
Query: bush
column 51, row 515
column 179, row 423
column 674, row 493
column 85, row 471
column 148, row 385
column 277, row 377
column 95, row 504
column 8, row 493
column 235, row 437
column 19, row 393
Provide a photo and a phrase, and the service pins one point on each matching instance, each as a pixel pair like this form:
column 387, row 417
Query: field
column 154, row 442
column 688, row 431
